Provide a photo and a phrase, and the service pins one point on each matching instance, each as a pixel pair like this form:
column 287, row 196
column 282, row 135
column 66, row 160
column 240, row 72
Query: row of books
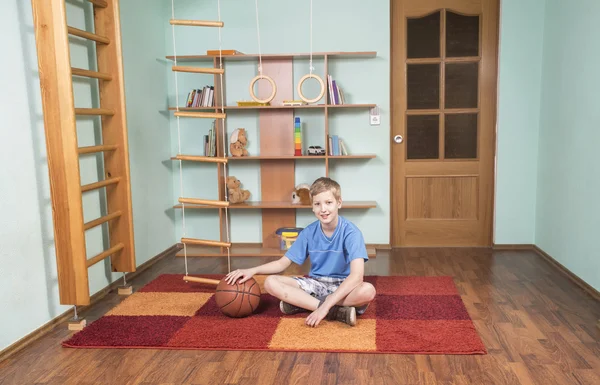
column 210, row 141
column 336, row 95
column 336, row 146
column 204, row 97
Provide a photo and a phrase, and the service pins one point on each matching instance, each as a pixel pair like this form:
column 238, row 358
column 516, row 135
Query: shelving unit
column 276, row 153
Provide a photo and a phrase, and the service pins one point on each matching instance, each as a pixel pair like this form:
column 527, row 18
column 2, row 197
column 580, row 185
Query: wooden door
column 444, row 66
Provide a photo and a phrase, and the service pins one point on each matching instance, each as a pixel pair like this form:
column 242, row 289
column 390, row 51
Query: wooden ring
column 300, row 88
column 254, row 80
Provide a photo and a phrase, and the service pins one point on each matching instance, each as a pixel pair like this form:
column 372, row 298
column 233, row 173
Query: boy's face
column 325, row 207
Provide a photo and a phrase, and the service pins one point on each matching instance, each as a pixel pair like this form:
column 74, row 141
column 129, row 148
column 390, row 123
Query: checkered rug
column 410, row 315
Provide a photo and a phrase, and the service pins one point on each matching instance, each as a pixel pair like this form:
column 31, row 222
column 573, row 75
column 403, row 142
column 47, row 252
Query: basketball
column 238, row 300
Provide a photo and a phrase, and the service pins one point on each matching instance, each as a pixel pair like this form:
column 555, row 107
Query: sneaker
column 345, row 314
column 361, row 309
column 288, row 308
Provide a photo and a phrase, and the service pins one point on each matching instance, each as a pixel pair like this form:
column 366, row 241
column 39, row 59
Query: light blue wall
column 284, row 28
column 520, row 68
column 28, row 281
column 568, row 213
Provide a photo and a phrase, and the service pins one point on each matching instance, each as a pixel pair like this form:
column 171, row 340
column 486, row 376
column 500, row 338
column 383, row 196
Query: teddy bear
column 236, row 194
column 301, row 194
column 237, row 142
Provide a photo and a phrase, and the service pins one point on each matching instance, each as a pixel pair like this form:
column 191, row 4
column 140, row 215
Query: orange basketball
column 238, row 300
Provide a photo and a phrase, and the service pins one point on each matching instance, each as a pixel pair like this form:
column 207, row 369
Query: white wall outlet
column 374, row 116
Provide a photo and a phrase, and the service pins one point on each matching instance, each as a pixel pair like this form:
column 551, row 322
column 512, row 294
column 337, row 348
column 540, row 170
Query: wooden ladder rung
column 195, row 158
column 194, row 241
column 93, row 149
column 104, row 254
column 99, row 3
column 94, row 111
column 102, row 183
column 88, row 35
column 197, row 23
column 209, row 115
column 208, row 202
column 101, row 220
column 91, row 74
column 198, row 70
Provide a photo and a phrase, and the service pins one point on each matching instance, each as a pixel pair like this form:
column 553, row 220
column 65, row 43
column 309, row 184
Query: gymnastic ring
column 300, row 88
column 273, row 85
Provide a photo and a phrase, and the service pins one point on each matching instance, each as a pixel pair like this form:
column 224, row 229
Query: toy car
column 316, row 150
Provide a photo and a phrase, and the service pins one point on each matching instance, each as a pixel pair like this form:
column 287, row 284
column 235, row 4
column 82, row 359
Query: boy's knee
column 271, row 284
column 367, row 291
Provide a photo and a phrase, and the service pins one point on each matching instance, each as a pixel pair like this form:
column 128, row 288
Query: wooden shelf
column 358, row 156
column 293, row 157
column 308, row 106
column 282, row 205
column 275, row 131
column 254, row 56
column 243, row 250
column 276, row 157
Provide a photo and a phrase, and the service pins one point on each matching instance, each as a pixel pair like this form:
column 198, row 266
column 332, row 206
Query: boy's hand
column 317, row 316
column 244, row 274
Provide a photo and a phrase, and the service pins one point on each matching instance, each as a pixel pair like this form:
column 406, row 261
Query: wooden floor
column 538, row 326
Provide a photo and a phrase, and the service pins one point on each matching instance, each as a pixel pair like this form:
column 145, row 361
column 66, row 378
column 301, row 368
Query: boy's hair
column 325, row 184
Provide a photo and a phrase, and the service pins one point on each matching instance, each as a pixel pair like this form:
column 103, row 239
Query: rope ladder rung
column 196, row 23
column 198, row 70
column 204, row 242
column 205, row 115
column 207, row 202
column 196, row 158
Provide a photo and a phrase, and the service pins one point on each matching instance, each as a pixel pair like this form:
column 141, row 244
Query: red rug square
column 128, row 331
column 428, row 337
column 416, row 286
column 249, row 333
column 411, row 315
column 421, row 307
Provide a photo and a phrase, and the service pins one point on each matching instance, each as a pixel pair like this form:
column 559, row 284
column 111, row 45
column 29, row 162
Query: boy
column 334, row 288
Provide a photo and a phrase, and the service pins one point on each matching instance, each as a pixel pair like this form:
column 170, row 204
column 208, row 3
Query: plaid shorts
column 323, row 286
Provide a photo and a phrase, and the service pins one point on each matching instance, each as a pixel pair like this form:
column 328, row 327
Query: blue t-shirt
column 329, row 257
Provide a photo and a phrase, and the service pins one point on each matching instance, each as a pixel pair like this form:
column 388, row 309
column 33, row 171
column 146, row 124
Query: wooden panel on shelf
column 281, row 205
column 326, row 115
column 245, row 250
column 221, row 148
column 277, row 139
column 114, row 130
column 288, row 56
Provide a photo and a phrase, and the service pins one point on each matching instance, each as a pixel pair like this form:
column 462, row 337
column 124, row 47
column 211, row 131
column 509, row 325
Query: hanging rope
column 179, row 138
column 258, row 37
column 311, row 68
column 260, row 72
column 223, row 139
column 310, row 65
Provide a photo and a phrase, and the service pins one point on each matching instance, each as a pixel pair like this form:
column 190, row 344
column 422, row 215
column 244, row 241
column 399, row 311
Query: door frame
column 395, row 116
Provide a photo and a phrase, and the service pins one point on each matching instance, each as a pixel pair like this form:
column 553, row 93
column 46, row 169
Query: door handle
column 398, row 138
